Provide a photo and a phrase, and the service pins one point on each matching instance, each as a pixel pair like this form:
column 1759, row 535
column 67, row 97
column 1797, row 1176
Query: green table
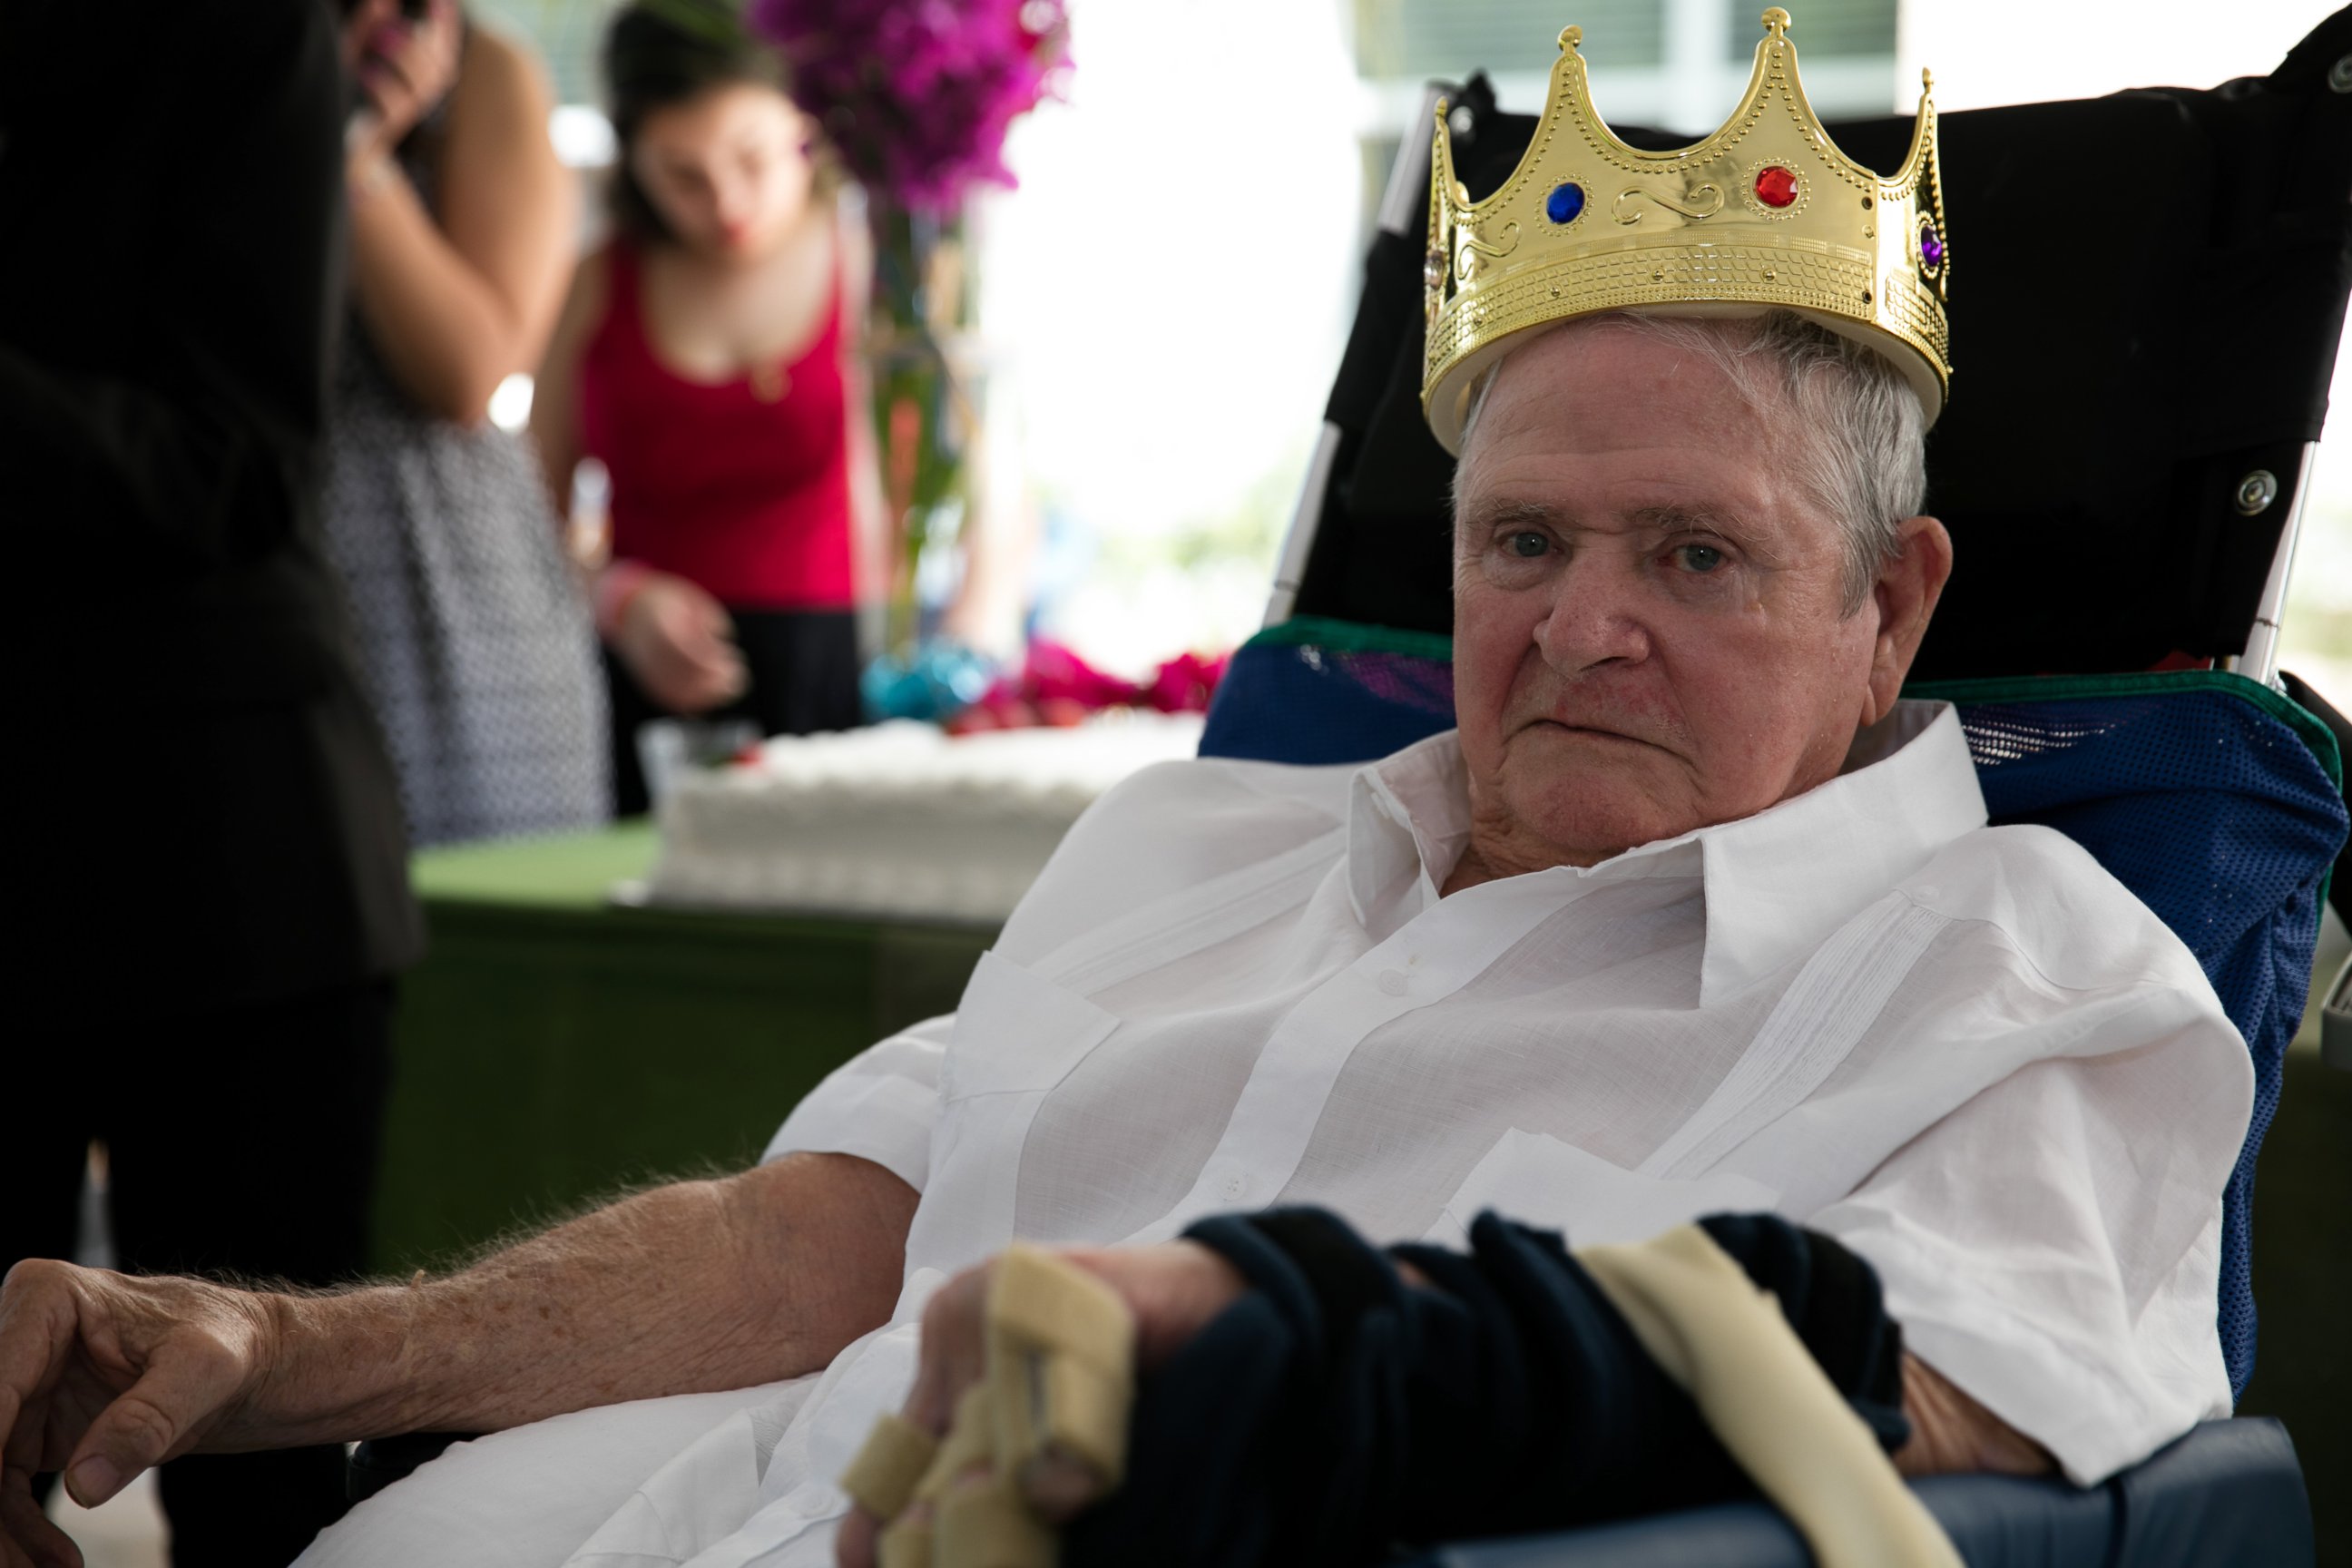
column 553, row 1049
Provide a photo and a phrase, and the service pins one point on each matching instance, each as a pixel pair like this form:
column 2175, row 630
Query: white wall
column 2021, row 51
column 1166, row 312
column 1168, row 319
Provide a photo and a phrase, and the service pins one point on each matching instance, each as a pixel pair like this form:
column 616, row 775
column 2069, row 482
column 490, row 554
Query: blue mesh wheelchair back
column 2216, row 800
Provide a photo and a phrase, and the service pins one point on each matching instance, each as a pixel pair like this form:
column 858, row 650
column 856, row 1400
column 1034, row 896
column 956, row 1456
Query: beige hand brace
column 1776, row 1412
column 1060, row 1377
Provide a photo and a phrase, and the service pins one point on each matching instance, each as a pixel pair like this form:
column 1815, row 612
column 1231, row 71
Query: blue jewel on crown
column 1564, row 203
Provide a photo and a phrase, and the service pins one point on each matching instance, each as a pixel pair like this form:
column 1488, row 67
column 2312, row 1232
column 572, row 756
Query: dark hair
column 661, row 53
column 412, row 9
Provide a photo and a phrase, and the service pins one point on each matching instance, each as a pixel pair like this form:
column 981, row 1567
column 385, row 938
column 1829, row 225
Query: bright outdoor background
column 1164, row 301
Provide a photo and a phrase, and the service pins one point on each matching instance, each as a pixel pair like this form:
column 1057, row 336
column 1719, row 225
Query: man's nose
column 1594, row 618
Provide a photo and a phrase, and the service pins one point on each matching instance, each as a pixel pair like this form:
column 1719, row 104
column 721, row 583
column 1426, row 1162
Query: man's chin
column 1599, row 792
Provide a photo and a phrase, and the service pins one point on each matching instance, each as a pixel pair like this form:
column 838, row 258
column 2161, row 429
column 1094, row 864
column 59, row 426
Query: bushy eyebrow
column 1488, row 516
column 1694, row 519
column 1485, row 516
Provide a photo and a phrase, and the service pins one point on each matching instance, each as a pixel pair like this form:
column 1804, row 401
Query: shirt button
column 1393, row 983
column 1235, row 1187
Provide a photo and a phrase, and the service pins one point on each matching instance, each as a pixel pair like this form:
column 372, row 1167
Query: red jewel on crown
column 1776, row 186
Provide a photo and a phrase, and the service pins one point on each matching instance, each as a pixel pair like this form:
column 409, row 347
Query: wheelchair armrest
column 2228, row 1494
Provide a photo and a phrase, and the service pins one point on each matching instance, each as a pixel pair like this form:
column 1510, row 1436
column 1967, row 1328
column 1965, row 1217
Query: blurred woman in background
column 708, row 357
column 474, row 633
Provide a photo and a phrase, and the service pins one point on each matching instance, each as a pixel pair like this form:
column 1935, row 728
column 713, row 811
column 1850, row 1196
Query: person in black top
column 209, row 859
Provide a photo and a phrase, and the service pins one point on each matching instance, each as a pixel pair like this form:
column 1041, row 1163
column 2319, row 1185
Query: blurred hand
column 1174, row 1289
column 1951, row 1434
column 406, row 68
column 678, row 643
column 102, row 1375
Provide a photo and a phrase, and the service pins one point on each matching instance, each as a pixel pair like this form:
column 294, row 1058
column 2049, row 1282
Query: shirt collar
column 1779, row 882
column 1776, row 883
column 1408, row 819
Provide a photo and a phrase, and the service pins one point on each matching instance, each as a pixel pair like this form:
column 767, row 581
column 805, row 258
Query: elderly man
column 1691, row 914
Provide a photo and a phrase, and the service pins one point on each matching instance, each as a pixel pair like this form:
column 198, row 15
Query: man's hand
column 1951, row 1434
column 685, row 1288
column 678, row 643
column 102, row 1375
column 1174, row 1289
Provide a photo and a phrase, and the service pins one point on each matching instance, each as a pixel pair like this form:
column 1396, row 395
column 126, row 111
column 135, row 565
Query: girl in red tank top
column 706, row 357
column 741, row 485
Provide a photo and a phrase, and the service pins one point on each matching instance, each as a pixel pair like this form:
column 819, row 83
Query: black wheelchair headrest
column 2148, row 291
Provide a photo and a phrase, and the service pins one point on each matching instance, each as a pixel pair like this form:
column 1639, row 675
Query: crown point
column 1763, row 226
column 1927, row 80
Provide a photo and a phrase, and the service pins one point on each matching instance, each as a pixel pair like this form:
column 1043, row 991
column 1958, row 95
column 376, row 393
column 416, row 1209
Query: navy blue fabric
column 1309, row 705
column 2227, row 1494
column 2218, row 818
column 2213, row 811
column 1337, row 1410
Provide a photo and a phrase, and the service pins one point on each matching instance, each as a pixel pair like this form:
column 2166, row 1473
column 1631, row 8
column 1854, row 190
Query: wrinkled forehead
column 1556, row 391
column 1593, row 426
column 1639, row 359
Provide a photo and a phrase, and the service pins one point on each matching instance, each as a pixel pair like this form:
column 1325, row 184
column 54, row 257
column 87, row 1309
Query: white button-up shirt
column 1966, row 1052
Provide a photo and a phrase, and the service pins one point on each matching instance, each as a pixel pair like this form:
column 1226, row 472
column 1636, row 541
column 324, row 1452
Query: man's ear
column 1909, row 583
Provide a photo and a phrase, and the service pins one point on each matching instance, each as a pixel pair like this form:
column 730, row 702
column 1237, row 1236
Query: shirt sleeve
column 881, row 1105
column 2052, row 1246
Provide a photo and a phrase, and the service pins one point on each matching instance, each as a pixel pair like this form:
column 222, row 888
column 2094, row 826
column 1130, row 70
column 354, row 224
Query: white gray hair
column 1862, row 453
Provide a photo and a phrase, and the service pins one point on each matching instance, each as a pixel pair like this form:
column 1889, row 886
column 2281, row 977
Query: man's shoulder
column 2045, row 895
column 1168, row 828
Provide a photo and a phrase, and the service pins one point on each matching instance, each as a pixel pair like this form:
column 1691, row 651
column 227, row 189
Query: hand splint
column 1059, row 1382
column 1723, row 1340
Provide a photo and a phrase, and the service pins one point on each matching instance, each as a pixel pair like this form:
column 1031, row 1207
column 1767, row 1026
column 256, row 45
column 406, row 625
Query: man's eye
column 1699, row 558
column 1527, row 544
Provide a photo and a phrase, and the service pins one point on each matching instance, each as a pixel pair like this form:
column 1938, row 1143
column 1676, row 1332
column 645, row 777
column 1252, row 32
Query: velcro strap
column 906, row 1544
column 1709, row 1328
column 882, row 1479
column 987, row 1525
column 1061, row 1364
column 971, row 1441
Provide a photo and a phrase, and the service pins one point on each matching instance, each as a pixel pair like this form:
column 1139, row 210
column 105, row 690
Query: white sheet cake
column 897, row 820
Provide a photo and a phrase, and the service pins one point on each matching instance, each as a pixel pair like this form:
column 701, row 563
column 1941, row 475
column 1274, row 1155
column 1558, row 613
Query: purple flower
column 917, row 95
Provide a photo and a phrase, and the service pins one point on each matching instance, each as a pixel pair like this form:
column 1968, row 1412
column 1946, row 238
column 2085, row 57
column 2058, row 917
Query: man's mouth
column 1587, row 729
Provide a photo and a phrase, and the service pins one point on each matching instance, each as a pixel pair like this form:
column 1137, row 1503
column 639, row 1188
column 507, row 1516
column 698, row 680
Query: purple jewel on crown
column 1931, row 248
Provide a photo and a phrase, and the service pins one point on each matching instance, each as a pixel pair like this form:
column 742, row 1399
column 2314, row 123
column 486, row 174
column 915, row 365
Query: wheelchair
column 2121, row 469
column 2132, row 703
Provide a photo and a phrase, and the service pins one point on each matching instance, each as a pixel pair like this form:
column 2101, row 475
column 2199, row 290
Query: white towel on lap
column 530, row 1498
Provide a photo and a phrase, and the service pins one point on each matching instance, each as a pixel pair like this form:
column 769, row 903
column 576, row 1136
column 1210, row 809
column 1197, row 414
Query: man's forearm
column 697, row 1286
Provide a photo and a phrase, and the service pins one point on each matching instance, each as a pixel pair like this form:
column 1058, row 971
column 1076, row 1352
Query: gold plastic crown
column 1765, row 214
